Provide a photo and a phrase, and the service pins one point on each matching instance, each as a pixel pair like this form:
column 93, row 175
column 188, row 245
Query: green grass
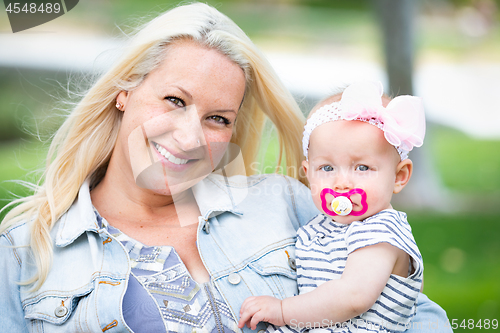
column 462, row 262
column 464, row 163
column 20, row 160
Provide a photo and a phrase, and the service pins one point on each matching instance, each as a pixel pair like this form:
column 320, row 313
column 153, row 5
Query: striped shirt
column 321, row 253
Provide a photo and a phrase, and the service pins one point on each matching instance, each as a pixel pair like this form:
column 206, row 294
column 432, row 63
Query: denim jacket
column 246, row 237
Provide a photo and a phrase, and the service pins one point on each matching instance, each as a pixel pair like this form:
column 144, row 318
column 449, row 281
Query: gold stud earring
column 119, row 106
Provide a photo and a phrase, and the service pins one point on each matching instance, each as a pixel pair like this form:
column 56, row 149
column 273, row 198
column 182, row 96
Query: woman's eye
column 362, row 168
column 220, row 120
column 176, row 101
column 326, row 168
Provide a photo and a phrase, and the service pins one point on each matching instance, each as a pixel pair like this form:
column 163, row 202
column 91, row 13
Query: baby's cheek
column 316, row 189
column 356, row 198
column 317, row 203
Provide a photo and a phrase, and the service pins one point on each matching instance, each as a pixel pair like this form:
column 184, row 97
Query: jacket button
column 291, row 263
column 61, row 311
column 206, row 227
column 234, row 278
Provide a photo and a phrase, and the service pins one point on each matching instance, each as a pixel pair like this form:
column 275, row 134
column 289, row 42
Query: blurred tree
column 397, row 24
column 396, row 20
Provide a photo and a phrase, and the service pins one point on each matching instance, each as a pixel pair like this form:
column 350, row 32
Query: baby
column 358, row 266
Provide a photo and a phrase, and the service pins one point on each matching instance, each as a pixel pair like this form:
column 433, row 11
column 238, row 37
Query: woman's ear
column 121, row 100
column 403, row 174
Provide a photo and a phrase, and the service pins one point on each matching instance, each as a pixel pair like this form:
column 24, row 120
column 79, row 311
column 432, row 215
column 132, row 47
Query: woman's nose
column 188, row 132
column 189, row 138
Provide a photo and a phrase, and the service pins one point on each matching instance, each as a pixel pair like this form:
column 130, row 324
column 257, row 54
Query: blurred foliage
column 443, row 26
column 461, row 3
column 12, row 107
column 360, row 5
column 462, row 262
column 301, row 21
column 20, row 160
column 464, row 163
column 28, row 103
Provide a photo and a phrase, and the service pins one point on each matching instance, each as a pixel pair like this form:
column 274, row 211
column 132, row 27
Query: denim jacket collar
column 213, row 195
column 79, row 218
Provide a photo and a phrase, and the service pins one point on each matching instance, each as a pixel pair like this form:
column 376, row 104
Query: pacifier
column 342, row 205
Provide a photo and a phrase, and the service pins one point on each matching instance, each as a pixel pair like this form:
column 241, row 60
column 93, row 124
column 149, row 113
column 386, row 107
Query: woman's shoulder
column 264, row 190
column 252, row 180
column 17, row 234
column 15, row 250
column 272, row 186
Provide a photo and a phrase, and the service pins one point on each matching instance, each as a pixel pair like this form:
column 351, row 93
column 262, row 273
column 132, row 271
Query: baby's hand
column 261, row 308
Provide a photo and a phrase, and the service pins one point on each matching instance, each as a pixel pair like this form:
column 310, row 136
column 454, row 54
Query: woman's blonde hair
column 82, row 147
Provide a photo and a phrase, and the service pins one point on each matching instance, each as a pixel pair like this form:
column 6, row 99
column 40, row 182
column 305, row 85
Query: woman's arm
column 365, row 276
column 10, row 296
column 300, row 200
column 430, row 317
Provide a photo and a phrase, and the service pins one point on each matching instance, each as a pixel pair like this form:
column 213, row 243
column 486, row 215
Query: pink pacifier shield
column 342, row 204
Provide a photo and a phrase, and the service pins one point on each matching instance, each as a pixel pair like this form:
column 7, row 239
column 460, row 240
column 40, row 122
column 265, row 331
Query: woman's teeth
column 169, row 156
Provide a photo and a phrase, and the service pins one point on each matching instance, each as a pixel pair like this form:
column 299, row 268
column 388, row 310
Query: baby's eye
column 362, row 167
column 326, row 168
column 176, row 101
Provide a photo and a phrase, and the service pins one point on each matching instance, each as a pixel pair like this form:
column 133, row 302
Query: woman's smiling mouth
column 168, row 156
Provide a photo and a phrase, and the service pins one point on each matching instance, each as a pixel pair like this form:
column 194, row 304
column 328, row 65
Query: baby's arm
column 365, row 275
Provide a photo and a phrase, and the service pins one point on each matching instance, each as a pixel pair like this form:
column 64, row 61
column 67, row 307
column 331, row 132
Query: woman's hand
column 261, row 308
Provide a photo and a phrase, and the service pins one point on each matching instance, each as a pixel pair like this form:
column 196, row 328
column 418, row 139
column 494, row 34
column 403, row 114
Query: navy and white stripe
column 321, row 253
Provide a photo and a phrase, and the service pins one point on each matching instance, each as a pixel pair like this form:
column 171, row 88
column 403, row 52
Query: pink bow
column 403, row 119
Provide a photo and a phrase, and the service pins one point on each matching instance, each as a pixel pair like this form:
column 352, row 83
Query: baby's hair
column 334, row 96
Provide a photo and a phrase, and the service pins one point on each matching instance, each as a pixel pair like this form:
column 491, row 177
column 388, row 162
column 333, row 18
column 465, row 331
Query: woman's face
column 177, row 124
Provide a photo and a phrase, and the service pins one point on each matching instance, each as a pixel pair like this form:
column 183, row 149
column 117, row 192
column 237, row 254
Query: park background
column 315, row 46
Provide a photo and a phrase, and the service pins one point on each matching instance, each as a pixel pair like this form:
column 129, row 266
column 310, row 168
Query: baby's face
column 344, row 155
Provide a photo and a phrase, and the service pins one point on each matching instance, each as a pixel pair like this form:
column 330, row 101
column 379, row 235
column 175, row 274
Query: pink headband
column 403, row 120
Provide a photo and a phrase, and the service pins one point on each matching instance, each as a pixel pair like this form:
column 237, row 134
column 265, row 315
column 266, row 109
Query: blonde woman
column 141, row 223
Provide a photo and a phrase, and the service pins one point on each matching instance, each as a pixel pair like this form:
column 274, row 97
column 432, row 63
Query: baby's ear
column 403, row 174
column 305, row 165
